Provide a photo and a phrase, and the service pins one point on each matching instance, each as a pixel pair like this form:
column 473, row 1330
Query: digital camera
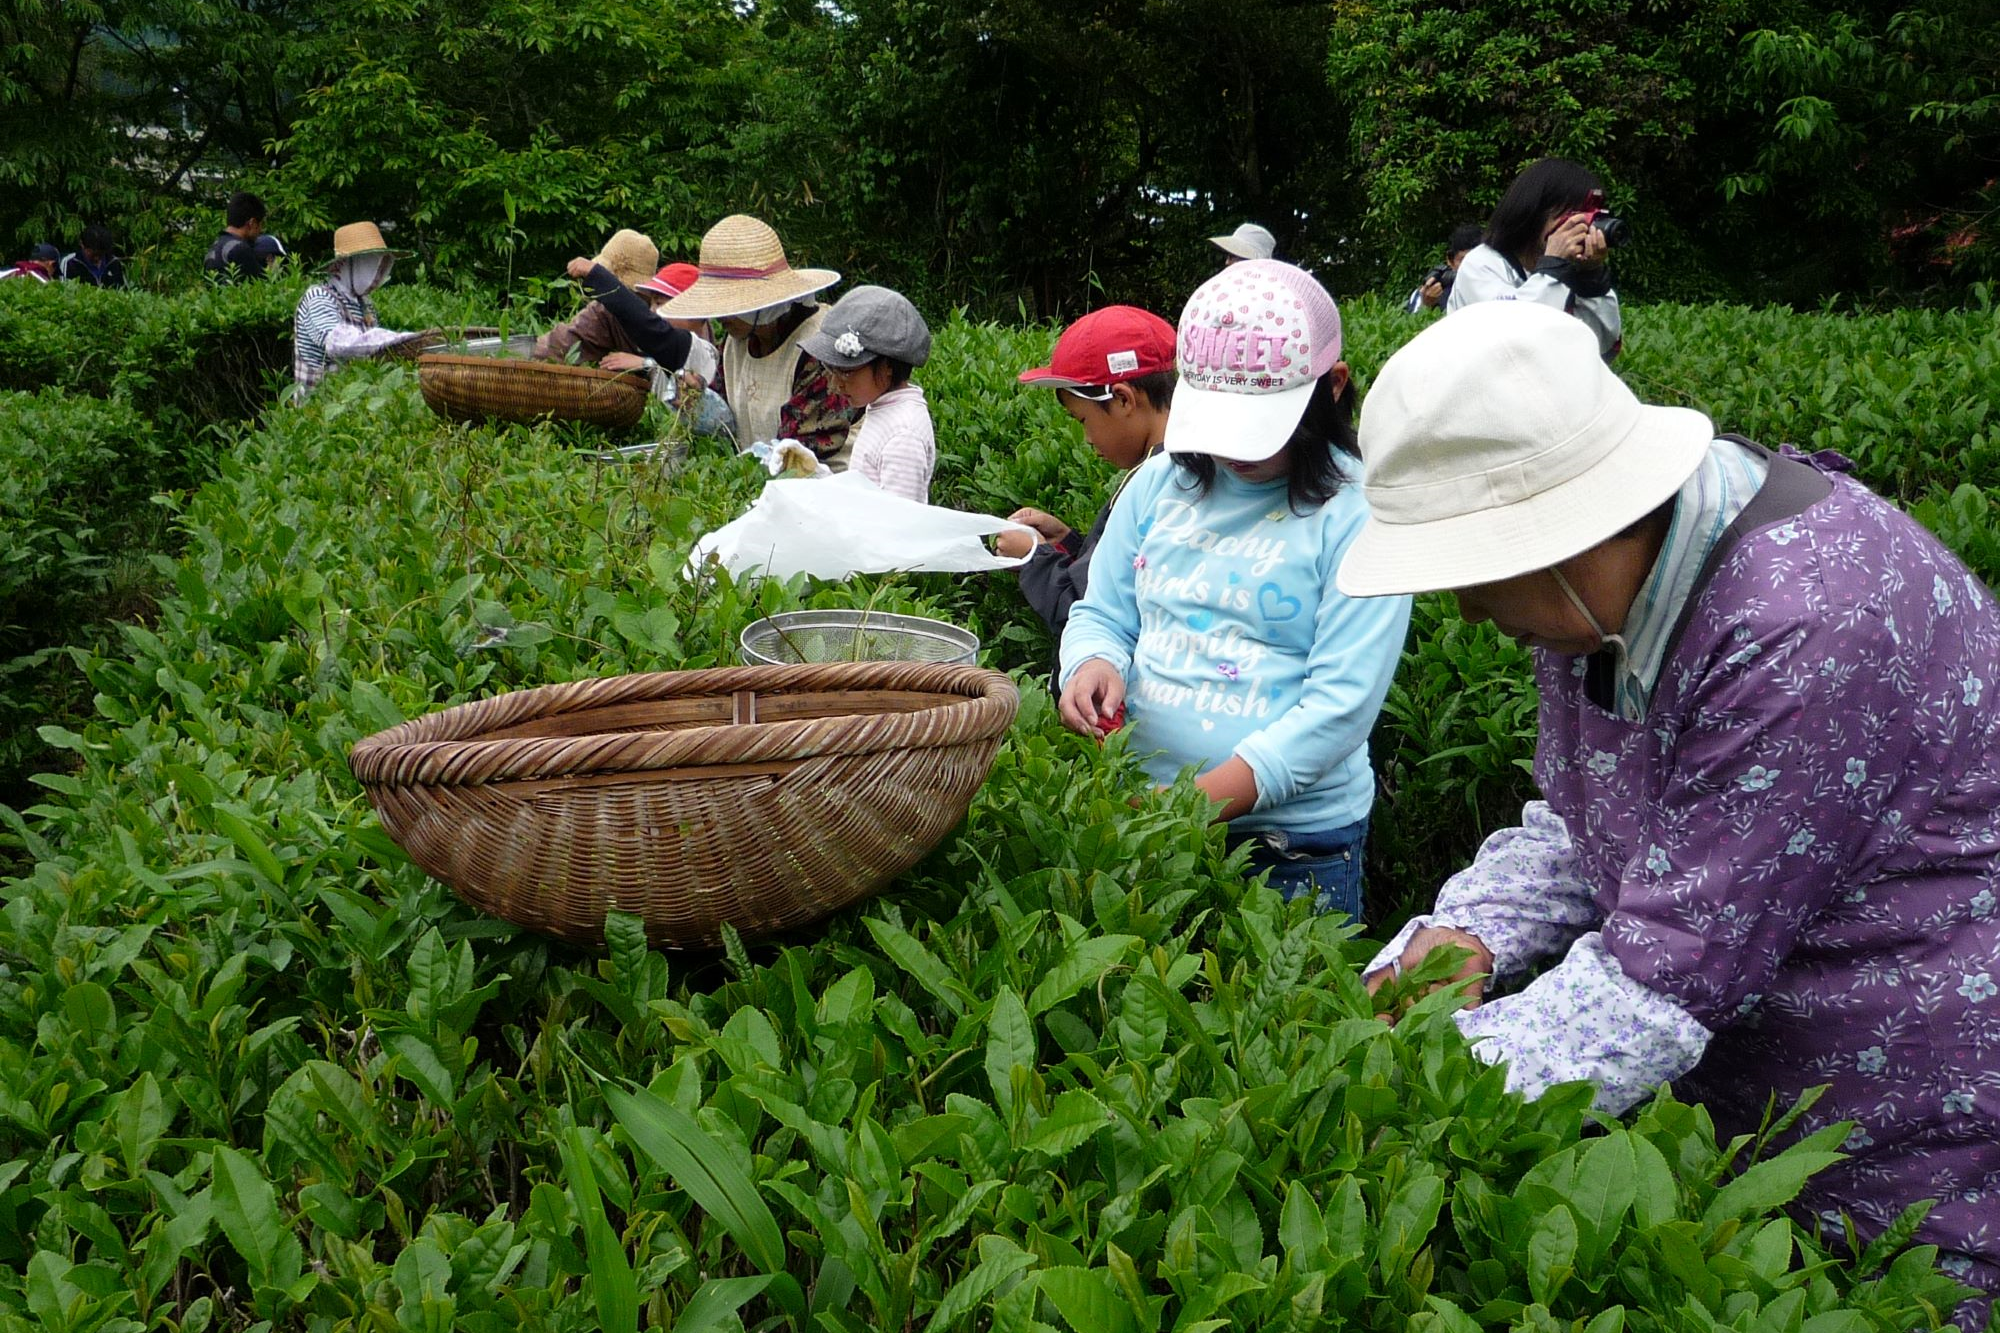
column 1443, row 275
column 1617, row 231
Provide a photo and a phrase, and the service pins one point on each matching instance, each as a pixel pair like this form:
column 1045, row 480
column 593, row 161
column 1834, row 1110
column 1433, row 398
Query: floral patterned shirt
column 1786, row 875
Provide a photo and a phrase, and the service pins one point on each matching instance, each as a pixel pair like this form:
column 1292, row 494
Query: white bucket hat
column 1497, row 442
column 1248, row 241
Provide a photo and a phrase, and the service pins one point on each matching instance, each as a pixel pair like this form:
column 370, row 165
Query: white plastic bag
column 845, row 525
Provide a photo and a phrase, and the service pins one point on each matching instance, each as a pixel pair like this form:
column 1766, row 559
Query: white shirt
column 1487, row 275
column 894, row 446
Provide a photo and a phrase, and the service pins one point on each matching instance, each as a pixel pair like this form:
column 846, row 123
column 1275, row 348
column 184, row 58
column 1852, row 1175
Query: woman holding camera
column 1547, row 243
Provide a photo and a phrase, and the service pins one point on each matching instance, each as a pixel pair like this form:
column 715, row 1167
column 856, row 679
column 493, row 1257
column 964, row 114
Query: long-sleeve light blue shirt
column 1221, row 612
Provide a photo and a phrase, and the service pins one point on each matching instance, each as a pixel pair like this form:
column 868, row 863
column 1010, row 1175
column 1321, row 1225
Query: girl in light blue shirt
column 1212, row 625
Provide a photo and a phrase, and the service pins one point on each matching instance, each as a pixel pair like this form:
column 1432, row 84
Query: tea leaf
column 1087, row 1299
column 1551, row 1253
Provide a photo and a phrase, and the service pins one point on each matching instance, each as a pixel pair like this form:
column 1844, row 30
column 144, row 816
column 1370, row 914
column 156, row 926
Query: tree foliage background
column 1013, row 154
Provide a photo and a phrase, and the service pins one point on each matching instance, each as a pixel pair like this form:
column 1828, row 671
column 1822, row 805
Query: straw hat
column 1497, row 442
column 361, row 238
column 630, row 255
column 743, row 268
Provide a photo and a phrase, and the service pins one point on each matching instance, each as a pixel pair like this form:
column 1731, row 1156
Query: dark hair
column 244, row 209
column 1157, row 389
column 1552, row 185
column 1314, row 476
column 899, row 371
column 97, row 237
column 1464, row 237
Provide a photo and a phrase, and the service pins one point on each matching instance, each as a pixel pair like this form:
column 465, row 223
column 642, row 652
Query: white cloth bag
column 845, row 524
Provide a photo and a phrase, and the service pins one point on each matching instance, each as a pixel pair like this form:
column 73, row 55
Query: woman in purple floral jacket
column 1768, row 854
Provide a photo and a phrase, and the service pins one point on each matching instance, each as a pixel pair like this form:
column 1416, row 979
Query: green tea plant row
column 1074, row 1072
column 189, row 361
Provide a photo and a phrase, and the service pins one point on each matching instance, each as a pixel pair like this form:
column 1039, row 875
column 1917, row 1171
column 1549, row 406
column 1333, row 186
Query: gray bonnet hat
column 866, row 323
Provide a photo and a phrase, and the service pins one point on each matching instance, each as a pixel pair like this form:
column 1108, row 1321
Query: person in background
column 670, row 282
column 39, row 266
column 767, row 308
column 1113, row 372
column 1248, row 241
column 1212, row 625
column 870, row 342
column 1437, row 284
column 1542, row 245
column 1767, row 851
column 234, row 254
column 629, row 258
column 93, row 261
column 335, row 319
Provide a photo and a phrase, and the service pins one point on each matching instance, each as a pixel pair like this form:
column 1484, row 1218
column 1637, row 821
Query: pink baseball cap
column 1253, row 340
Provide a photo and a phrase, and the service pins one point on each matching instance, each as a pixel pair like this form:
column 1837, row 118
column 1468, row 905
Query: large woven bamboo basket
column 764, row 797
column 484, row 388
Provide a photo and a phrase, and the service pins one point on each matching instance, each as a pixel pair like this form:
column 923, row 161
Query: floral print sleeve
column 1585, row 1018
column 1523, row 897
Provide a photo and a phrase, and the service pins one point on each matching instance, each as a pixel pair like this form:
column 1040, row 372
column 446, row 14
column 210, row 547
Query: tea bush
column 257, row 1070
column 190, row 361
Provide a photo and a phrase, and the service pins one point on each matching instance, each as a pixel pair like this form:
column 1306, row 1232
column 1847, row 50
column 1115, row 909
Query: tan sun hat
column 743, row 268
column 1497, row 442
column 630, row 255
column 361, row 238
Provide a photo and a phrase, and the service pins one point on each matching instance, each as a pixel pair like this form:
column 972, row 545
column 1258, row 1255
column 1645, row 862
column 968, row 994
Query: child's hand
column 1052, row 528
column 1014, row 543
column 1094, row 697
column 578, row 268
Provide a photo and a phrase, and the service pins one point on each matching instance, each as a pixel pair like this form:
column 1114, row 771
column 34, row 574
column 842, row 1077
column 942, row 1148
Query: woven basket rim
column 446, row 748
column 518, row 364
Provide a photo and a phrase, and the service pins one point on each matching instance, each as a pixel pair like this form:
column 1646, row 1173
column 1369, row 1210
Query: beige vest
column 760, row 386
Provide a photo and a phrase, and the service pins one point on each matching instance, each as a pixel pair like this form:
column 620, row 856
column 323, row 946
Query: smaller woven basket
column 761, row 797
column 488, row 388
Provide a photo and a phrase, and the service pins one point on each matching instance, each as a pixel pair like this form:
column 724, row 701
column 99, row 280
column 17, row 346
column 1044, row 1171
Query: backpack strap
column 1790, row 488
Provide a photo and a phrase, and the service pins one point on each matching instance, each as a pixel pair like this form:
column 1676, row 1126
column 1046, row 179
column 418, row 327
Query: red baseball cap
column 1108, row 346
column 672, row 280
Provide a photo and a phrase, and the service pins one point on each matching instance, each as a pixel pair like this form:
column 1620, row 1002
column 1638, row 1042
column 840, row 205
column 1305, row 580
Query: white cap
column 1497, row 442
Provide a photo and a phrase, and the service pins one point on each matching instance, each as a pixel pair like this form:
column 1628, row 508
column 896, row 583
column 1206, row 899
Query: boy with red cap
column 1112, row 370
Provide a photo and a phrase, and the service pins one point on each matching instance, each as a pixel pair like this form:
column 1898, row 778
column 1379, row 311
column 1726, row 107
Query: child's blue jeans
column 1323, row 862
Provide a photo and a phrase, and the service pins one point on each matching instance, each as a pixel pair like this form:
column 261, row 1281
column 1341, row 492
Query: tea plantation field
column 258, row 1071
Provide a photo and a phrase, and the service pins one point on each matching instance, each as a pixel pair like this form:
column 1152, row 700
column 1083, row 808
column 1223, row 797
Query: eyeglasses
column 1090, row 393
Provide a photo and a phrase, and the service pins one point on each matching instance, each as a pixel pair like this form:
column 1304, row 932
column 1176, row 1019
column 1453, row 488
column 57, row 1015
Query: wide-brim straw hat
column 630, row 255
column 361, row 238
column 1497, row 442
column 743, row 268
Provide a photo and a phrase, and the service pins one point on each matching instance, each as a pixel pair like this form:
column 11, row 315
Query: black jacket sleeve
column 652, row 335
column 1592, row 281
column 1056, row 577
